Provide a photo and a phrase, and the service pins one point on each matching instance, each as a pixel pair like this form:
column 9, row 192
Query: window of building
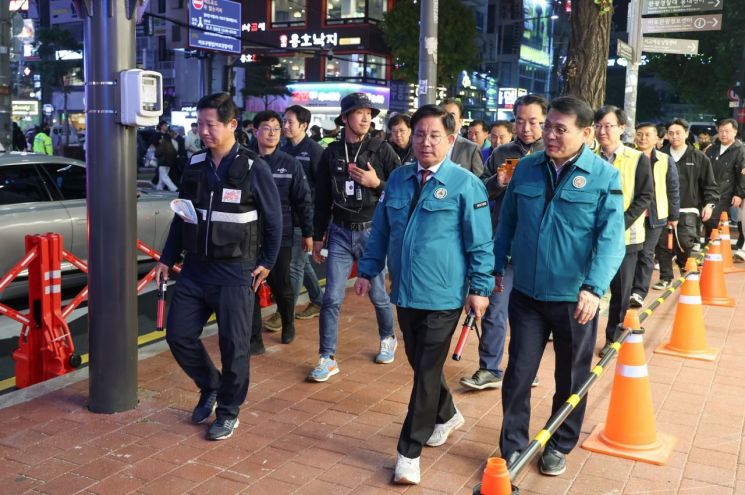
column 343, row 11
column 288, row 12
column 295, row 67
column 356, row 67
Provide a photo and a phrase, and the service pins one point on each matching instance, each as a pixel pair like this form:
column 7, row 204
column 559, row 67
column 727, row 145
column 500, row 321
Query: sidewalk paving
column 340, row 436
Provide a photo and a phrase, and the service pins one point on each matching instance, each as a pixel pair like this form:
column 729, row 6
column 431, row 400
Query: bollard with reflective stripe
column 688, row 338
column 630, row 430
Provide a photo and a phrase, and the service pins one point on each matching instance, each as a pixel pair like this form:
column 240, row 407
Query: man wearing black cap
column 351, row 178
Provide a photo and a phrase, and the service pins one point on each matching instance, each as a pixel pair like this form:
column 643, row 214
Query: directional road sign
column 677, row 46
column 663, row 7
column 624, row 50
column 683, row 23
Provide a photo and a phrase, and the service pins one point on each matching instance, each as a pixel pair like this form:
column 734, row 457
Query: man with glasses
column 727, row 158
column 308, row 153
column 465, row 153
column 530, row 111
column 351, row 179
column 294, row 194
column 563, row 213
column 432, row 226
column 638, row 192
column 698, row 195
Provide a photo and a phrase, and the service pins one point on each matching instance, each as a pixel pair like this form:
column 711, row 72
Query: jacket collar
column 443, row 175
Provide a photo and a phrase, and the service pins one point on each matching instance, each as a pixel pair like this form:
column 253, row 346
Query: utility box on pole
column 112, row 208
column 428, row 52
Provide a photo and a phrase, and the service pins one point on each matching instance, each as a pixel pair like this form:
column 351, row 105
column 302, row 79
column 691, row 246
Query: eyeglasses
column 434, row 139
column 605, row 127
column 558, row 130
column 270, row 130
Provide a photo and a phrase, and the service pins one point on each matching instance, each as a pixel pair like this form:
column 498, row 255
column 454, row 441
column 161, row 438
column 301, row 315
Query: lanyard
column 346, row 152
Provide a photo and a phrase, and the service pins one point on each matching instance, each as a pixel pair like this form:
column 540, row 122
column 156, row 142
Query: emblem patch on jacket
column 579, row 182
column 231, row 195
column 440, row 193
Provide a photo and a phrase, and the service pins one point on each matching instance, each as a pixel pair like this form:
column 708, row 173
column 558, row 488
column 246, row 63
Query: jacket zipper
column 209, row 217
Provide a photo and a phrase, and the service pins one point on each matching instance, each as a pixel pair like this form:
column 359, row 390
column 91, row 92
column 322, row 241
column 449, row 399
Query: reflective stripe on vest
column 220, row 216
column 659, row 170
column 626, row 162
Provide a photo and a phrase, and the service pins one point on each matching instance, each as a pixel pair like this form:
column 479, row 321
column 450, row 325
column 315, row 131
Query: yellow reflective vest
column 42, row 144
column 626, row 161
column 659, row 171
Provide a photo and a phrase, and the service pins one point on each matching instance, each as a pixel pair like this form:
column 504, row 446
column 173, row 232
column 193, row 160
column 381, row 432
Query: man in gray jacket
column 463, row 152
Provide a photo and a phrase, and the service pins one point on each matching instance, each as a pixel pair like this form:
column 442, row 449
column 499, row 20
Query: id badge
column 349, row 186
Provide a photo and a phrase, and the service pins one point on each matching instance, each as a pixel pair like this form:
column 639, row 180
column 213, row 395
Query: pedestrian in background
column 399, row 128
column 727, row 157
column 231, row 245
column 465, row 153
column 43, row 142
column 432, row 227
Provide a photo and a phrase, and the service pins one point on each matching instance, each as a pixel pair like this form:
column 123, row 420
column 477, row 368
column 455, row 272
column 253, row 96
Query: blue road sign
column 215, row 25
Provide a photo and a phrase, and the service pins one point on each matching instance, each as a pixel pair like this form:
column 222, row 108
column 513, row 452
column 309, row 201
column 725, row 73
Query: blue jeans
column 494, row 327
column 301, row 271
column 344, row 247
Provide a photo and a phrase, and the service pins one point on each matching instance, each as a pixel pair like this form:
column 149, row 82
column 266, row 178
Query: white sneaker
column 407, row 470
column 442, row 431
column 739, row 254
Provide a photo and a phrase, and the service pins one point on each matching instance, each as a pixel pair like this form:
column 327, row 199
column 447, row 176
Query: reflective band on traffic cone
column 630, row 430
column 713, row 287
column 726, row 245
column 496, row 479
column 688, row 339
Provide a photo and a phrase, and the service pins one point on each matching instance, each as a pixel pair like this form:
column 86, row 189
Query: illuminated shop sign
column 309, row 40
column 330, row 94
column 507, row 96
column 253, row 27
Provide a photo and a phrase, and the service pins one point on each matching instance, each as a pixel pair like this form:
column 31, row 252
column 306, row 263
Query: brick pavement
column 340, row 437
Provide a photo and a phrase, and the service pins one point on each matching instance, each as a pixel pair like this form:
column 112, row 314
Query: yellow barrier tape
column 573, row 400
column 648, row 312
column 7, row 383
column 598, row 370
column 542, row 437
column 660, row 300
column 616, row 346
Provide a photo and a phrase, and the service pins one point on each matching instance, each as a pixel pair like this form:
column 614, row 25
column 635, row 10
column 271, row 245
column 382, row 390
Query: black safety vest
column 228, row 222
column 357, row 196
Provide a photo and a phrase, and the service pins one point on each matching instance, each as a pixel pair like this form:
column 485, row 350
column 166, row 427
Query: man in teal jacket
column 562, row 222
column 434, row 228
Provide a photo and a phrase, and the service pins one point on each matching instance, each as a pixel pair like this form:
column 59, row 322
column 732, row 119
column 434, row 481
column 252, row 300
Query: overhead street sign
column 624, row 50
column 215, row 25
column 676, row 46
column 663, row 7
column 683, row 23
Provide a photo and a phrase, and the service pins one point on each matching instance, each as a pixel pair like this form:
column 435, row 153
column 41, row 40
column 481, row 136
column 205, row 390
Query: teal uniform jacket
column 575, row 240
column 444, row 250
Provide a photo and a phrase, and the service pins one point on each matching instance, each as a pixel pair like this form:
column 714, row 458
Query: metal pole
column 112, row 209
column 6, row 83
column 632, row 69
column 428, row 52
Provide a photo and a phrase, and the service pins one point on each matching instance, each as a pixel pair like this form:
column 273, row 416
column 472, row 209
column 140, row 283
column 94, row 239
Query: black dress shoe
column 553, row 462
column 288, row 335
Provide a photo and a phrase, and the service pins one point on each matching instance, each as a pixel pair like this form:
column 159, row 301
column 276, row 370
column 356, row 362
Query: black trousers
column 620, row 291
column 683, row 241
column 191, row 306
column 531, row 322
column 427, row 336
column 284, row 295
column 645, row 261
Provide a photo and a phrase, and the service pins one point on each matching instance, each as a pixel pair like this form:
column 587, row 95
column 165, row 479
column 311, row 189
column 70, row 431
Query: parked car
column 40, row 194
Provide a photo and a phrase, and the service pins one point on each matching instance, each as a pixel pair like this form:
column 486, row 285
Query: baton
column 670, row 238
column 467, row 326
column 160, row 318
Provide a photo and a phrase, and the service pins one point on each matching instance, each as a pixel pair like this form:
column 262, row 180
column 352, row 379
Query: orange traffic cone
column 688, row 339
column 496, row 479
column 713, row 288
column 630, row 430
column 726, row 245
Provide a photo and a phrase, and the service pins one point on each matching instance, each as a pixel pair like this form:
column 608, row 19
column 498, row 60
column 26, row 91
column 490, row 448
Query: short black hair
column 246, row 123
column 301, row 113
column 453, row 101
column 605, row 110
column 722, row 122
column 194, row 124
column 642, row 125
column 480, row 122
column 399, row 118
column 679, row 121
column 502, row 123
column 223, row 103
column 661, row 131
column 266, row 116
column 448, row 121
column 572, row 105
column 531, row 99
